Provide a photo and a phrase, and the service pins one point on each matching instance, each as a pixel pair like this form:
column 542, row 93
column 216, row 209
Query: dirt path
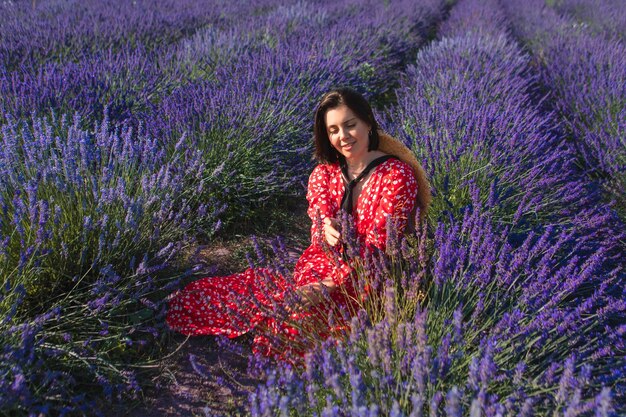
column 219, row 384
column 216, row 383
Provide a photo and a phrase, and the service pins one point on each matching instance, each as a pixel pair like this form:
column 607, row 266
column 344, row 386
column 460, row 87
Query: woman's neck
column 355, row 167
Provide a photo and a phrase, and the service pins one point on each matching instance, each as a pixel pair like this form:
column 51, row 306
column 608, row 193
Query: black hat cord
column 346, row 200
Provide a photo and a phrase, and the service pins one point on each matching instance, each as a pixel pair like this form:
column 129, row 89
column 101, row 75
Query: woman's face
column 347, row 133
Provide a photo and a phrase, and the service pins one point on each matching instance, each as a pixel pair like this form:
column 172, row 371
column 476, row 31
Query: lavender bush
column 472, row 110
column 92, row 348
column 586, row 75
column 80, row 296
column 74, row 200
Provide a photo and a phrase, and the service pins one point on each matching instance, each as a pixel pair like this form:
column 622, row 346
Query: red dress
column 235, row 304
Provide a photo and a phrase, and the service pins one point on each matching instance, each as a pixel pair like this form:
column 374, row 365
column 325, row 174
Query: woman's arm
column 322, row 208
column 397, row 202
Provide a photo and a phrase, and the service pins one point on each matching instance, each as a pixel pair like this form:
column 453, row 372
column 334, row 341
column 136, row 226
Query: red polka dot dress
column 236, row 304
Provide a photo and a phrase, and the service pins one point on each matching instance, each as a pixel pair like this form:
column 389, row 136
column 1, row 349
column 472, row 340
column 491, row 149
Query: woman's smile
column 348, row 134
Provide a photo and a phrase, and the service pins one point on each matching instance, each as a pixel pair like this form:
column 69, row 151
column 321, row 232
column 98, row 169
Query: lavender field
column 134, row 133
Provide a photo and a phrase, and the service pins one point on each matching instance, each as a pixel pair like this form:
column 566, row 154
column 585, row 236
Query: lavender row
column 491, row 128
column 522, row 313
column 105, row 66
column 585, row 73
column 604, row 17
column 127, row 78
column 487, row 129
column 32, row 33
column 130, row 80
column 79, row 278
column 516, row 154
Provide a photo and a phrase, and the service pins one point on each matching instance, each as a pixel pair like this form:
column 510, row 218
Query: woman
column 362, row 172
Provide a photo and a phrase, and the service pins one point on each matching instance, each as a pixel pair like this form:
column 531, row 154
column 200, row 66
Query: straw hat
column 393, row 146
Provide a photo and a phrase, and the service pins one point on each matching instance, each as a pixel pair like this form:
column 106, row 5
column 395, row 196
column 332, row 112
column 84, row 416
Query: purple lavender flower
column 453, row 405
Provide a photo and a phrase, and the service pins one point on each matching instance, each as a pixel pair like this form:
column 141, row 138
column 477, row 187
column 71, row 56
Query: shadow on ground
column 199, row 378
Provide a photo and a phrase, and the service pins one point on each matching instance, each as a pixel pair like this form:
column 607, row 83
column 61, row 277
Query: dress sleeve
column 319, row 198
column 399, row 197
column 321, row 205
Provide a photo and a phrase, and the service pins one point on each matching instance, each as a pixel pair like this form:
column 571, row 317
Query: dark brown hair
column 324, row 151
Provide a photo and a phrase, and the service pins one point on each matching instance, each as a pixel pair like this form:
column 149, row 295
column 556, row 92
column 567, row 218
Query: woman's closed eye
column 334, row 131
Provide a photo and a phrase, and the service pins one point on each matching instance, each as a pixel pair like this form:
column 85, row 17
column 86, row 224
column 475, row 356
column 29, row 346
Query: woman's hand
column 312, row 294
column 331, row 231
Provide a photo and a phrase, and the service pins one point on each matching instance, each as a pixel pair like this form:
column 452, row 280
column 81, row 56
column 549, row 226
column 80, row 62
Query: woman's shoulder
column 323, row 172
column 397, row 167
column 325, row 168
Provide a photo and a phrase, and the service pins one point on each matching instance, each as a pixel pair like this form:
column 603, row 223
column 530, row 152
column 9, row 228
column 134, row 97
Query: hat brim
column 395, row 147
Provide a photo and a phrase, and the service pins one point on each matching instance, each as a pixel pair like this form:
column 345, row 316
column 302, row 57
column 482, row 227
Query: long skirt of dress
column 254, row 300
